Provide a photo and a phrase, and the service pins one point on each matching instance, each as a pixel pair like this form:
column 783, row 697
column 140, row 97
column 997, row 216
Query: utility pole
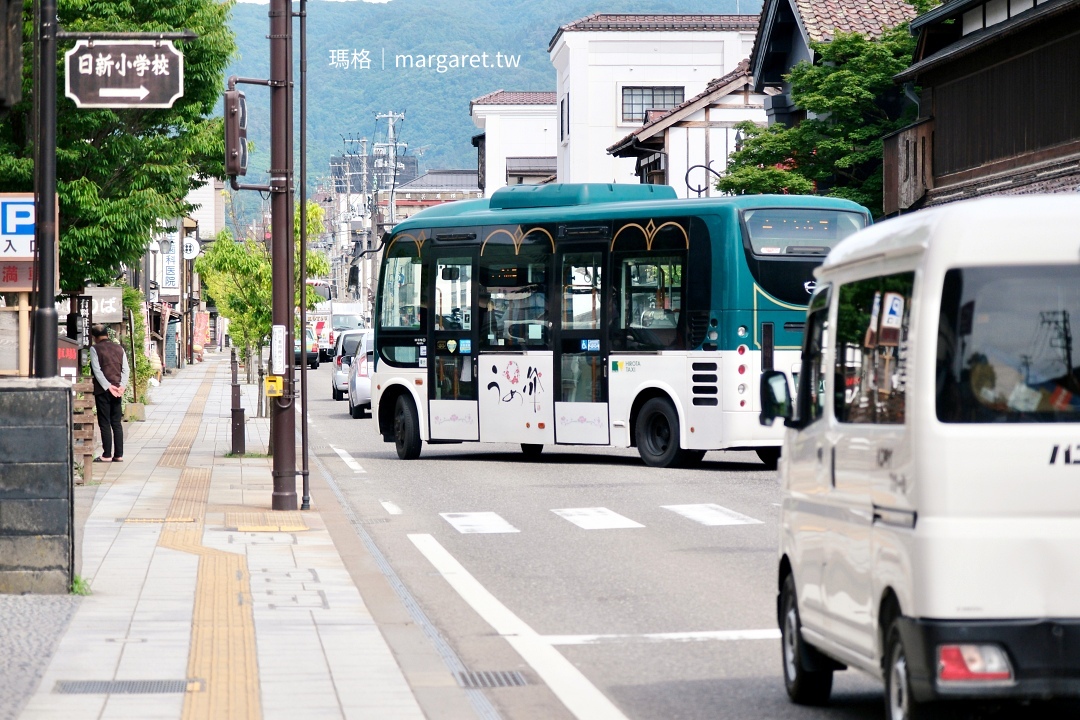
column 282, row 414
column 390, row 148
column 45, row 318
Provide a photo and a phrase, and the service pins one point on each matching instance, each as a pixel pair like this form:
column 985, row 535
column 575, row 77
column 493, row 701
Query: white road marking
column 710, row 514
column 573, row 689
column 390, row 507
column 767, row 634
column 598, row 518
column 478, row 522
column 348, row 459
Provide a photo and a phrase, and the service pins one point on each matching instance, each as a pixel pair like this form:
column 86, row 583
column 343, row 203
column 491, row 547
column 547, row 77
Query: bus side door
column 452, row 346
column 581, row 407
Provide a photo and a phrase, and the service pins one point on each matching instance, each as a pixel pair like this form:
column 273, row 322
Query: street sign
column 191, row 248
column 124, row 73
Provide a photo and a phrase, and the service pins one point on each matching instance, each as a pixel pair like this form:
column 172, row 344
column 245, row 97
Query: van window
column 1007, row 351
column 870, row 377
column 811, row 395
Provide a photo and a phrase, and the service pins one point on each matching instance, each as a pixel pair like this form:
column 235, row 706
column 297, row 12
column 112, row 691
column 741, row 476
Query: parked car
column 342, row 355
column 312, row 355
column 928, row 524
column 360, row 375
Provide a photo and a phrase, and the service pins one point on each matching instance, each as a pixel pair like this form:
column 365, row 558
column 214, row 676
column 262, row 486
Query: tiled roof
column 545, row 165
column 442, row 180
column 655, row 23
column 512, row 97
column 822, row 18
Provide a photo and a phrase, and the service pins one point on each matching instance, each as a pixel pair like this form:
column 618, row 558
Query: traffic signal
column 236, row 147
column 11, row 55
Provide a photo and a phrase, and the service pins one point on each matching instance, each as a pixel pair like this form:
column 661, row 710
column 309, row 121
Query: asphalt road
column 644, row 607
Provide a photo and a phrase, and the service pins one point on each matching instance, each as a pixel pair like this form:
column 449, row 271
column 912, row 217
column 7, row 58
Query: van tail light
column 361, row 369
column 973, row 663
column 331, row 340
column 337, row 361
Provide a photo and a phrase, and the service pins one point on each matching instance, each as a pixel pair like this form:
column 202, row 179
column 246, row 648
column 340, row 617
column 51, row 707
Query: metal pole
column 239, row 441
column 305, row 502
column 45, row 318
column 283, row 298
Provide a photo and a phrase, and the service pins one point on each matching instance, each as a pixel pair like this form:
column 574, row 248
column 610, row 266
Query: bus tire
column 531, row 451
column 406, row 429
column 657, row 434
column 770, row 456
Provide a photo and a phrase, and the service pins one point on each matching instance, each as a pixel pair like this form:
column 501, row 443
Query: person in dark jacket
column 110, row 369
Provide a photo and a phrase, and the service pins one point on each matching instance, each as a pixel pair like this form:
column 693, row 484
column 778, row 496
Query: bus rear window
column 791, row 231
column 1006, row 349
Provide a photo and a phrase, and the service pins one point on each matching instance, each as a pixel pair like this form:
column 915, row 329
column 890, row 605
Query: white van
column 930, row 473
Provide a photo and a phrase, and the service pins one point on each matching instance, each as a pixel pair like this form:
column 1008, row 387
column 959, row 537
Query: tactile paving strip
column 222, row 626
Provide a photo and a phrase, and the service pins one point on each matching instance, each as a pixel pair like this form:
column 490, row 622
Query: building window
column 564, row 118
column 636, row 100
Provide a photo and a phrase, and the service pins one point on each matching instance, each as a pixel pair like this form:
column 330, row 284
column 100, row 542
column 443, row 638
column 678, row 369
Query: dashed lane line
column 468, row 523
column 712, row 514
column 348, row 460
column 390, row 507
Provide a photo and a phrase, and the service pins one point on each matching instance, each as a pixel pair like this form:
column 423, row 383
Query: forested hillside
column 345, row 92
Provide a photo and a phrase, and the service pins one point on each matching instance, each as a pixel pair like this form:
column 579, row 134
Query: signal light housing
column 236, row 122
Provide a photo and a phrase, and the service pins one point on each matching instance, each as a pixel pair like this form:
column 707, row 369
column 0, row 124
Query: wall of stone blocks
column 36, row 493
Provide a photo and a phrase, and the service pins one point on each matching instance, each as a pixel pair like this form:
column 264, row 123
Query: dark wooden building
column 999, row 110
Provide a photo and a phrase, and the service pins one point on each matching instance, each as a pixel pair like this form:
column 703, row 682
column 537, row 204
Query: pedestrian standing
column 109, row 364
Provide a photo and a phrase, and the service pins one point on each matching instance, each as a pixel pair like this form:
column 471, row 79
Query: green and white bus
column 603, row 315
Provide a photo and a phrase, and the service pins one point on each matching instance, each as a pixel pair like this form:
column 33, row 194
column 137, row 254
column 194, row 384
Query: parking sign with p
column 16, row 226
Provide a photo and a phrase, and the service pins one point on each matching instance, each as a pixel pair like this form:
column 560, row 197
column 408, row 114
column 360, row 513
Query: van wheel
column 657, row 434
column 338, row 395
column 899, row 703
column 531, row 451
column 770, row 456
column 406, row 429
column 805, row 687
column 355, row 411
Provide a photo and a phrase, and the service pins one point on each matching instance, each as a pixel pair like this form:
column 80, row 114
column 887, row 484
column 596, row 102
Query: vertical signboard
column 170, row 264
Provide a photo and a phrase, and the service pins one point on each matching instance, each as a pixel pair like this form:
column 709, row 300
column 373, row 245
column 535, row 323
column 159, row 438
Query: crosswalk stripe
column 712, row 514
column 390, row 507
column 596, row 518
column 478, row 522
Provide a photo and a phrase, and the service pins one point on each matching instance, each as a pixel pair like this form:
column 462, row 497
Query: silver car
column 360, row 376
column 344, row 348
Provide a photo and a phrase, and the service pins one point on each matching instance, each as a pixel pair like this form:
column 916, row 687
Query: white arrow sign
column 139, row 92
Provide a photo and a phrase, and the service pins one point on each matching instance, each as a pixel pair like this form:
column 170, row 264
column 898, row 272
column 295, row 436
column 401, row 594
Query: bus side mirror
column 775, row 397
column 451, row 273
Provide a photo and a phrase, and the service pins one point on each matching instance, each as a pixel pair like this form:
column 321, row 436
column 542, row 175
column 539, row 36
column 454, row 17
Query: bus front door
column 581, row 407
column 452, row 346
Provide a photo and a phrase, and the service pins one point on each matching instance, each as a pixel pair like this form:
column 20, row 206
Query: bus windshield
column 1006, row 348
column 348, row 321
column 792, row 231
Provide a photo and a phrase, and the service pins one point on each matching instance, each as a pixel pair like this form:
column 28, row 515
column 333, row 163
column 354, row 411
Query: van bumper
column 1045, row 657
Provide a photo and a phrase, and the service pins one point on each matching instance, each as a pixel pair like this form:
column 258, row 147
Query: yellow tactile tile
column 222, row 661
column 288, row 521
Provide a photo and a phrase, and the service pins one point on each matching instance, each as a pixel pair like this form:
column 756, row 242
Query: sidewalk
column 204, row 603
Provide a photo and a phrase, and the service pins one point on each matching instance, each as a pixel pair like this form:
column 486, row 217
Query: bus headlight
column 742, row 388
column 713, row 335
column 743, row 331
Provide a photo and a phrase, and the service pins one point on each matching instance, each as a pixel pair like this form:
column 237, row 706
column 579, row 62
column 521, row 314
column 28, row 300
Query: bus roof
column 594, row 201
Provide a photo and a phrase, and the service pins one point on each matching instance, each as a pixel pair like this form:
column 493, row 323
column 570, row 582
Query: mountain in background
column 343, row 99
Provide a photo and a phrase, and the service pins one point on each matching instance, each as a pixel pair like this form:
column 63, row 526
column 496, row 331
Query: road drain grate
column 125, row 687
column 490, row 679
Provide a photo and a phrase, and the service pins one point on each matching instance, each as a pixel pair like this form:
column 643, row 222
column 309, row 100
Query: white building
column 611, row 69
column 675, row 147
column 519, row 126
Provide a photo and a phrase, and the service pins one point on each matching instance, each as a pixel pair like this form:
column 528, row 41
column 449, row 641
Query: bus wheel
column 770, row 456
column 531, row 451
column 657, row 434
column 406, row 429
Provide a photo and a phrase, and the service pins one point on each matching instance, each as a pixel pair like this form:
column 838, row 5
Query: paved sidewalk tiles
column 205, row 604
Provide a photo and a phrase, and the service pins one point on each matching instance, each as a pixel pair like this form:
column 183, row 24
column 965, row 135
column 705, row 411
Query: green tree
column 238, row 274
column 852, row 102
column 121, row 173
